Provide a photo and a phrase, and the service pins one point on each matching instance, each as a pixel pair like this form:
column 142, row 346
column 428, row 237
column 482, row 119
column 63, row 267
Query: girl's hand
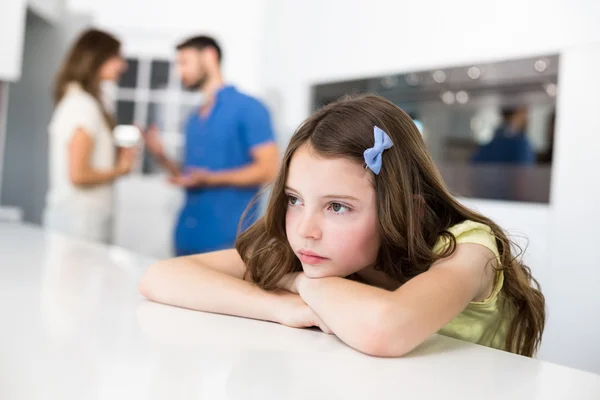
column 290, row 282
column 294, row 312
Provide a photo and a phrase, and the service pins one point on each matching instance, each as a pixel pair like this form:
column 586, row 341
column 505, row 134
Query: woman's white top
column 85, row 212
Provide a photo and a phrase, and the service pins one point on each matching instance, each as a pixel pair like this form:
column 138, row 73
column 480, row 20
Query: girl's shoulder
column 469, row 232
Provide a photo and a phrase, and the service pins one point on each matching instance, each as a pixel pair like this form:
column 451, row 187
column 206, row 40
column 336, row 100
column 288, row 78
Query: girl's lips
column 309, row 257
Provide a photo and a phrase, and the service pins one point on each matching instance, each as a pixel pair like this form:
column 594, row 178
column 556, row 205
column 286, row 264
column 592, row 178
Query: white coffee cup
column 126, row 135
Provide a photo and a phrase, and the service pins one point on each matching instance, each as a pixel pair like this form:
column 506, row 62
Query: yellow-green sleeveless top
column 483, row 322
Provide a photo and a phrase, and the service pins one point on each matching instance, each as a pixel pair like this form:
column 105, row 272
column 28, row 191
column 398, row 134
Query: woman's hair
column 414, row 210
column 82, row 65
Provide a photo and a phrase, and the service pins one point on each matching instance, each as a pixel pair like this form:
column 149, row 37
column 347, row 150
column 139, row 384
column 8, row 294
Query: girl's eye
column 339, row 208
column 293, row 201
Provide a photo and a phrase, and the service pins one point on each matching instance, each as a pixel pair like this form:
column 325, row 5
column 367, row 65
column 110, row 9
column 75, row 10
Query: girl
column 362, row 239
column 83, row 159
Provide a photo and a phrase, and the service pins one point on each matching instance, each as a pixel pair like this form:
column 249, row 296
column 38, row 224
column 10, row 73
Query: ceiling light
column 540, row 65
column 462, row 97
column 439, row 76
column 448, row 97
column 474, row 72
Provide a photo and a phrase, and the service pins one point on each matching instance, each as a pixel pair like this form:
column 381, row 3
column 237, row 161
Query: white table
column 74, row 327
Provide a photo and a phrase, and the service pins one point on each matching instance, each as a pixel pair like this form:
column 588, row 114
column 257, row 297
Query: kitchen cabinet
column 12, row 32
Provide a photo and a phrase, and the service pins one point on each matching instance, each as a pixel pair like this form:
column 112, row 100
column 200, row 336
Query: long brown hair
column 82, row 65
column 413, row 204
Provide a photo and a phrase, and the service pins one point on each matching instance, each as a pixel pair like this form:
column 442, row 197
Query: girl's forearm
column 355, row 312
column 183, row 283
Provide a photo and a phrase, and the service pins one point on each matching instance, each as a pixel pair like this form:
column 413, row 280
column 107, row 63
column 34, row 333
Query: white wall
column 341, row 39
column 319, row 41
column 12, row 32
column 574, row 325
column 49, row 10
column 154, row 27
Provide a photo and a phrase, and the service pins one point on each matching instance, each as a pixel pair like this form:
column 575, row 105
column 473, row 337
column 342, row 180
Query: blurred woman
column 84, row 161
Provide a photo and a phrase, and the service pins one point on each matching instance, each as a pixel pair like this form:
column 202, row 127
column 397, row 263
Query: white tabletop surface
column 74, row 327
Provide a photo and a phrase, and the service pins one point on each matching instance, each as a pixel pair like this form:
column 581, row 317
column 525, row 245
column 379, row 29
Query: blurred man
column 510, row 144
column 508, row 155
column 230, row 152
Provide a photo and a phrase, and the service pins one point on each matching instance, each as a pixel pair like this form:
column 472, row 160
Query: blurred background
column 472, row 75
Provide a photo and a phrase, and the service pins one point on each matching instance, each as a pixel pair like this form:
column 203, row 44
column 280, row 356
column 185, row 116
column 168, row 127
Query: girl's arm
column 214, row 282
column 389, row 324
column 208, row 282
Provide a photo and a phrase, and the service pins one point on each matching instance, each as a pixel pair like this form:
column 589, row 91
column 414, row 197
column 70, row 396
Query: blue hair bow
column 373, row 155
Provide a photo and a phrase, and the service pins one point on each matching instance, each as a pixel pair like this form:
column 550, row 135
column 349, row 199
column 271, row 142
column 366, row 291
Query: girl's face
column 331, row 219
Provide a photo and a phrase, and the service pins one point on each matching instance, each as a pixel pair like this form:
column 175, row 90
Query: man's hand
column 193, row 178
column 155, row 147
column 153, row 142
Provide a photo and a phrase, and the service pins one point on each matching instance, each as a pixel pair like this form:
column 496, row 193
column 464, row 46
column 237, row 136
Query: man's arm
column 262, row 170
column 259, row 138
column 154, row 145
column 168, row 164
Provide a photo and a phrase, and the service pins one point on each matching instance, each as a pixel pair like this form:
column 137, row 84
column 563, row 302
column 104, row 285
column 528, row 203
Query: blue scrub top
column 506, row 148
column 221, row 141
